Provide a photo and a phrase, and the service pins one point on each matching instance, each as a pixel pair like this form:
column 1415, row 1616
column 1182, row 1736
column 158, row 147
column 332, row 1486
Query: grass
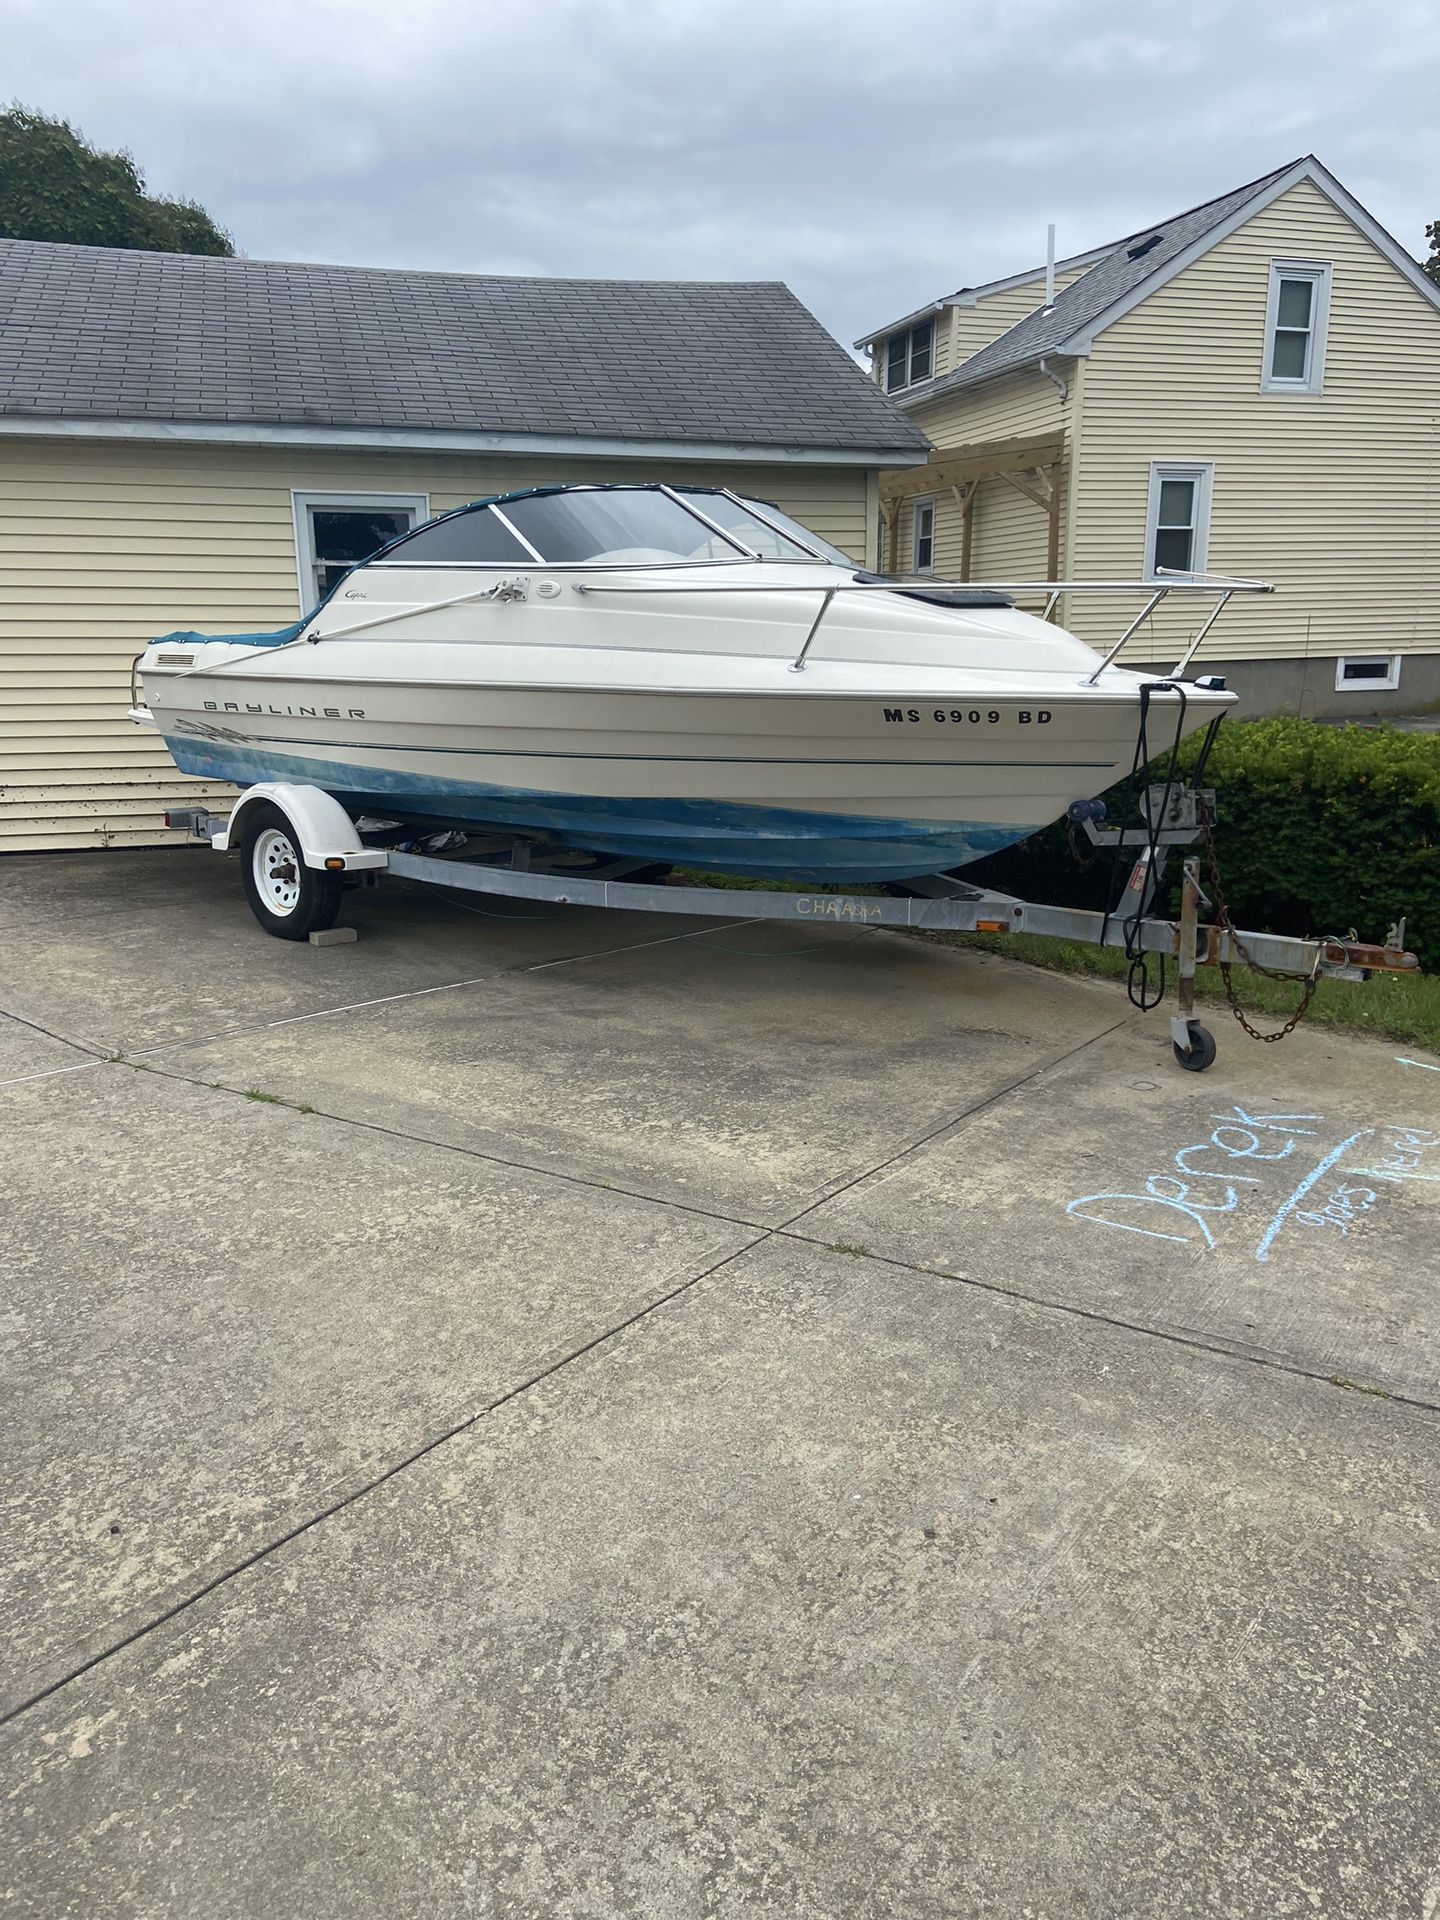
column 1401, row 1006
column 273, row 1099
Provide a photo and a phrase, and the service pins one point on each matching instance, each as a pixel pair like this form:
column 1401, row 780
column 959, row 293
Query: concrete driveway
column 546, row 1413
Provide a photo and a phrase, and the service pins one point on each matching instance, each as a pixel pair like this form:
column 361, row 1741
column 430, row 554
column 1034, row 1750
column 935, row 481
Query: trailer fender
column 325, row 831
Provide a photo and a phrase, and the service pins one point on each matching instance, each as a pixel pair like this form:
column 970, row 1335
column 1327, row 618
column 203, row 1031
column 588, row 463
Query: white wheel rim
column 277, row 871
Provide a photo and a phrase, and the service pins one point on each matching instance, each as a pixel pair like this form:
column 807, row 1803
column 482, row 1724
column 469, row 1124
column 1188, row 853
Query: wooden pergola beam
column 1030, row 465
column 982, row 461
column 1035, row 488
column 1052, row 543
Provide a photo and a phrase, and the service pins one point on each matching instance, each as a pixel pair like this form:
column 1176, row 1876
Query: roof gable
column 91, row 334
column 972, row 296
column 1143, row 262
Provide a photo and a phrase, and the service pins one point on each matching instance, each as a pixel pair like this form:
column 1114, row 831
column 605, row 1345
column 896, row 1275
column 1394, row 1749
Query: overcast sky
column 872, row 156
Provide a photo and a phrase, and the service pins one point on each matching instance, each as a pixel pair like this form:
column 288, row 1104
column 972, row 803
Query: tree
column 1432, row 265
column 54, row 186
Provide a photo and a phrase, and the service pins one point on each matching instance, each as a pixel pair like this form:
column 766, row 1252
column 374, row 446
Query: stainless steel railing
column 1158, row 589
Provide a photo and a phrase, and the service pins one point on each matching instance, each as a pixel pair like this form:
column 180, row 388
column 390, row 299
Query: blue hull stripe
column 759, row 841
column 284, row 741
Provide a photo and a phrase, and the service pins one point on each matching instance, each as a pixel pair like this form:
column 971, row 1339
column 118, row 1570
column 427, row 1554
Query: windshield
column 811, row 540
column 639, row 527
column 746, row 526
column 611, row 526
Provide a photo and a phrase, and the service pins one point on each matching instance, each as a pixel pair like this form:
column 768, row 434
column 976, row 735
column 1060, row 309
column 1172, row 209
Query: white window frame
column 1202, row 472
column 1387, row 685
column 302, row 501
column 909, row 334
column 1318, row 273
column 926, row 500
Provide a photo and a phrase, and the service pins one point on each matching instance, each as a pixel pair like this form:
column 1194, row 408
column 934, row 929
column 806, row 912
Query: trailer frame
column 331, row 842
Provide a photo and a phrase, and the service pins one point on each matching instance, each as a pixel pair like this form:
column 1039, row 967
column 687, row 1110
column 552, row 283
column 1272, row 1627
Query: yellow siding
column 1333, row 496
column 995, row 313
column 103, row 545
column 1019, row 403
column 1011, row 533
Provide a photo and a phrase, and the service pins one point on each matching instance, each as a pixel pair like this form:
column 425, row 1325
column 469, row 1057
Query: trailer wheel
column 289, row 899
column 1200, row 1054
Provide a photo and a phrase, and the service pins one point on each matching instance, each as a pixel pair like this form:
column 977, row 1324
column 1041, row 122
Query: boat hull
column 758, row 842
column 793, row 786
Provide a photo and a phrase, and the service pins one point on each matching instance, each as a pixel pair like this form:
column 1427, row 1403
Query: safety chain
column 1227, row 926
column 1078, row 854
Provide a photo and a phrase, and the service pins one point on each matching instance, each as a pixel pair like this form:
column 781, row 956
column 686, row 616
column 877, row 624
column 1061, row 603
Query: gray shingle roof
column 1047, row 330
column 96, row 333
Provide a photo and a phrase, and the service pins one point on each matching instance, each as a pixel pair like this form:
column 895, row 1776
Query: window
column 1367, row 672
column 812, row 540
column 610, row 526
column 335, row 531
column 909, row 356
column 1295, row 322
column 461, row 540
column 1177, row 535
column 636, row 526
column 924, row 554
column 761, row 536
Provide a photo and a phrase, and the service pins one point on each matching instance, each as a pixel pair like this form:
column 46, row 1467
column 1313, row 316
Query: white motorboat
column 674, row 674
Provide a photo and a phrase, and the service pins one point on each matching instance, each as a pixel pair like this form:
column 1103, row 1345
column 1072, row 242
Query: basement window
column 336, row 531
column 1296, row 317
column 1367, row 673
column 909, row 356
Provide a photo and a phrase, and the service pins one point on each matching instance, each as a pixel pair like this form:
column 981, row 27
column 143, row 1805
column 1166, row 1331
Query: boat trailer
column 310, row 848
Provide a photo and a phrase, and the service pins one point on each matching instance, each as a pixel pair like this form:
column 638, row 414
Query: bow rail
column 1158, row 589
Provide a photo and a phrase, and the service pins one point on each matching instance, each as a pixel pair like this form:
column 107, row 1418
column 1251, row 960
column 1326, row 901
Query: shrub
column 1320, row 829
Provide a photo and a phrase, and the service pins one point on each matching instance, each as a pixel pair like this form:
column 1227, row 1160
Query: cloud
column 873, row 158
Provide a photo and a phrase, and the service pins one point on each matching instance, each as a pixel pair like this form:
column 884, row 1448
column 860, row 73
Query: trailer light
column 992, row 926
column 334, row 864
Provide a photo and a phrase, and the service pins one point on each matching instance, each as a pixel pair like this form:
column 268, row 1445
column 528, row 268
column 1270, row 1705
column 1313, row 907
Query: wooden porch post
column 967, row 527
column 890, row 511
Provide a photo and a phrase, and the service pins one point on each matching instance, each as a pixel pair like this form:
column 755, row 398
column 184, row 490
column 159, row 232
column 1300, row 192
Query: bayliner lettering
column 295, row 713
column 966, row 716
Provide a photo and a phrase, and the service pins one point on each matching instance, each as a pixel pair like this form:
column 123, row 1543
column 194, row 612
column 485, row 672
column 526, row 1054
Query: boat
column 678, row 675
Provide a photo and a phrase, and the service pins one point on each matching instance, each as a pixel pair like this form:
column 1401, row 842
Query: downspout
column 1050, row 374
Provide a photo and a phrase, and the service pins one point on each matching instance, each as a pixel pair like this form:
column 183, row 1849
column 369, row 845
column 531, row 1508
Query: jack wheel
column 289, row 899
column 1200, row 1054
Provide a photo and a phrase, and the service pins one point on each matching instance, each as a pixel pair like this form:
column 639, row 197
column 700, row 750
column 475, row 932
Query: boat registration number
column 966, row 716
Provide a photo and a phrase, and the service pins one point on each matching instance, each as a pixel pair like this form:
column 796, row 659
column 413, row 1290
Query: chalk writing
column 1241, row 1180
column 836, row 906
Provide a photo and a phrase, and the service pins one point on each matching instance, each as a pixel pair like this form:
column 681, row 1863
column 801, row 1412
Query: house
column 1249, row 387
column 207, row 443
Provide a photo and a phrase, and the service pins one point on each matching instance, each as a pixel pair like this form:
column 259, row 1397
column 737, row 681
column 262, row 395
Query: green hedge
column 1320, row 829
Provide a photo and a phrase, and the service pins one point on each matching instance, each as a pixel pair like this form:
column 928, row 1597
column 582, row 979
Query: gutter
column 1050, row 374
column 222, row 433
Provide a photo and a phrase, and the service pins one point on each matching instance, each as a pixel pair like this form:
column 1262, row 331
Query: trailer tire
column 289, row 899
column 1200, row 1054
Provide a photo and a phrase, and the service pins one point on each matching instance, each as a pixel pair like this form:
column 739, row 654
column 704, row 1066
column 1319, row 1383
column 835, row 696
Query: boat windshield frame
column 682, row 496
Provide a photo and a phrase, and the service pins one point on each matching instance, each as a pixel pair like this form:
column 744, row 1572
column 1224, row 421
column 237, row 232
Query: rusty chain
column 1227, row 926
